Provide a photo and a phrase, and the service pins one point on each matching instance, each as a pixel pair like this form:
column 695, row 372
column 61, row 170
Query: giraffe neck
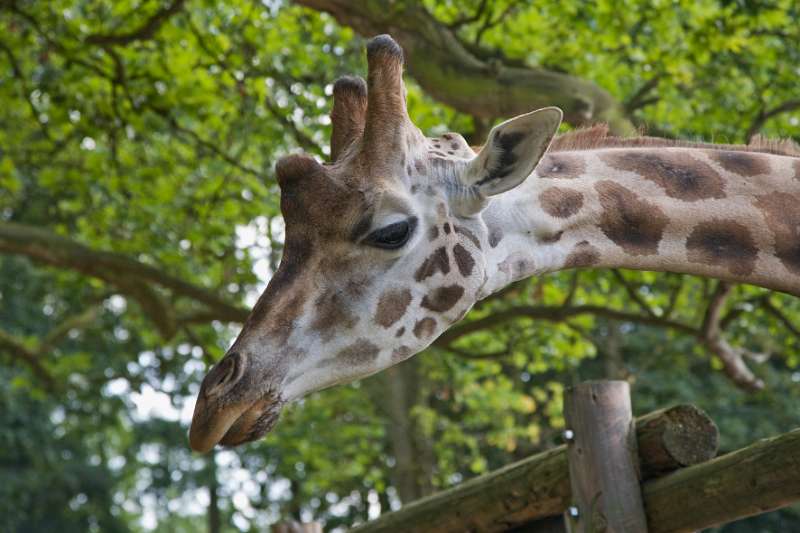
column 732, row 215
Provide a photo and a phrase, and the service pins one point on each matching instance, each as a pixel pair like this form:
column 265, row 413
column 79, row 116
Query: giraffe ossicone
column 399, row 235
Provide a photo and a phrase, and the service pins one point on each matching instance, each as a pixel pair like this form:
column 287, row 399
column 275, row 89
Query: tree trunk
column 397, row 390
column 214, row 518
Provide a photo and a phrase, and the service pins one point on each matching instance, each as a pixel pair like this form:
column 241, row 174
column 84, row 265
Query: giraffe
column 397, row 237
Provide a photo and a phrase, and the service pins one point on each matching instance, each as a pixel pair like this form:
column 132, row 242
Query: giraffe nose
column 224, row 374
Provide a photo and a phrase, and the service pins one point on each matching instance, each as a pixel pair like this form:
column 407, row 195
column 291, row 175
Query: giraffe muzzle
column 230, row 410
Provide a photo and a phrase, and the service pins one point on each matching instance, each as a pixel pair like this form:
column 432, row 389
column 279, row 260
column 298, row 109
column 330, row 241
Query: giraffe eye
column 393, row 236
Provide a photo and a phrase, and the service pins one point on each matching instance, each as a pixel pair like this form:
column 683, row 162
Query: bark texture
column 603, row 458
column 754, row 480
column 483, row 87
column 532, row 489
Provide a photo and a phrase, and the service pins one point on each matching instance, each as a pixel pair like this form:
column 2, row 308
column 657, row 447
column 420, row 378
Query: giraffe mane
column 597, row 136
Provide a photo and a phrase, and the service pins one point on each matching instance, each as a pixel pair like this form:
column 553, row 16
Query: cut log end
column 676, row 437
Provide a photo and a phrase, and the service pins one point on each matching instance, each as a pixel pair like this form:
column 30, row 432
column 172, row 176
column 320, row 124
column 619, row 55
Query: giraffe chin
column 254, row 423
column 234, row 424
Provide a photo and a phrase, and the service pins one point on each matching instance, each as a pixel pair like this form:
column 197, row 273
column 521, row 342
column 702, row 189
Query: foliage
column 150, row 129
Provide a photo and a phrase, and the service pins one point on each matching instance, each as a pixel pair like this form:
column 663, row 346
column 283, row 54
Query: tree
column 137, row 204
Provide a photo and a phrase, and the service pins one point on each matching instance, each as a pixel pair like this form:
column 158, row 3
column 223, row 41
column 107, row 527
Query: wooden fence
column 654, row 474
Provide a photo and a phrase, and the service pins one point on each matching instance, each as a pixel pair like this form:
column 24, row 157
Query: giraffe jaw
column 235, row 425
column 215, row 422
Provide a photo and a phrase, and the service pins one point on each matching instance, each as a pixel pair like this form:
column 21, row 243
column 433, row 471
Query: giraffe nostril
column 225, row 372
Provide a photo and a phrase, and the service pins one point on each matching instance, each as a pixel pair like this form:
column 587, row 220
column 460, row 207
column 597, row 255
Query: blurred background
column 139, row 220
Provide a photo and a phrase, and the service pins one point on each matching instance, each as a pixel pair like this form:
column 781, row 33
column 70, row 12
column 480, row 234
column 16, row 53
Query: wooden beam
column 538, row 487
column 757, row 479
column 603, row 459
column 675, row 437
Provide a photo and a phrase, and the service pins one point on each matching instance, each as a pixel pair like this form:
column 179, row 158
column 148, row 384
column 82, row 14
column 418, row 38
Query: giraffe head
column 383, row 251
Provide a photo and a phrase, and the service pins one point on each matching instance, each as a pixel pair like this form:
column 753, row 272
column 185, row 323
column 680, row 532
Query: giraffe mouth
column 233, row 424
column 254, row 423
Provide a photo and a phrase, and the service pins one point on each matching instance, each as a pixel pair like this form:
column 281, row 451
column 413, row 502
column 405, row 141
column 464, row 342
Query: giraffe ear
column 512, row 151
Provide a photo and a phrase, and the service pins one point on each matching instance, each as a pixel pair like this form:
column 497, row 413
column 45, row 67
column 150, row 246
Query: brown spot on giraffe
column 681, row 176
column 464, row 260
column 551, row 237
column 443, row 299
column 782, row 213
column 461, row 230
column 360, row 352
column 424, row 328
column 725, row 243
column 561, row 166
column 401, row 353
column 436, row 262
column 392, row 306
column 495, row 236
column 561, row 202
column 332, row 312
column 446, row 228
column 400, row 332
column 741, row 163
column 433, row 233
column 284, row 289
column 290, row 309
column 583, row 255
column 630, row 221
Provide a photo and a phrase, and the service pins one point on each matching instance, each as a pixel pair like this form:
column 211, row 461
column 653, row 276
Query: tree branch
column 76, row 322
column 555, row 314
column 450, row 72
column 491, row 22
column 129, row 276
column 774, row 311
column 17, row 349
column 33, row 356
column 463, row 20
column 143, row 32
column 640, row 98
column 711, row 335
column 765, row 114
column 633, row 293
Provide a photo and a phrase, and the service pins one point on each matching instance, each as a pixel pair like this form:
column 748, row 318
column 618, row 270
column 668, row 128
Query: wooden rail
column 539, row 487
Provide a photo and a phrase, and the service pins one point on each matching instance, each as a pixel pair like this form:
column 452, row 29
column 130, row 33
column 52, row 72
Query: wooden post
column 603, row 459
column 538, row 487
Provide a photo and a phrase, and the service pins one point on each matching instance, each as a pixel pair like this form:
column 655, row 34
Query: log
column 537, row 487
column 757, row 479
column 760, row 478
column 603, row 459
column 675, row 437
